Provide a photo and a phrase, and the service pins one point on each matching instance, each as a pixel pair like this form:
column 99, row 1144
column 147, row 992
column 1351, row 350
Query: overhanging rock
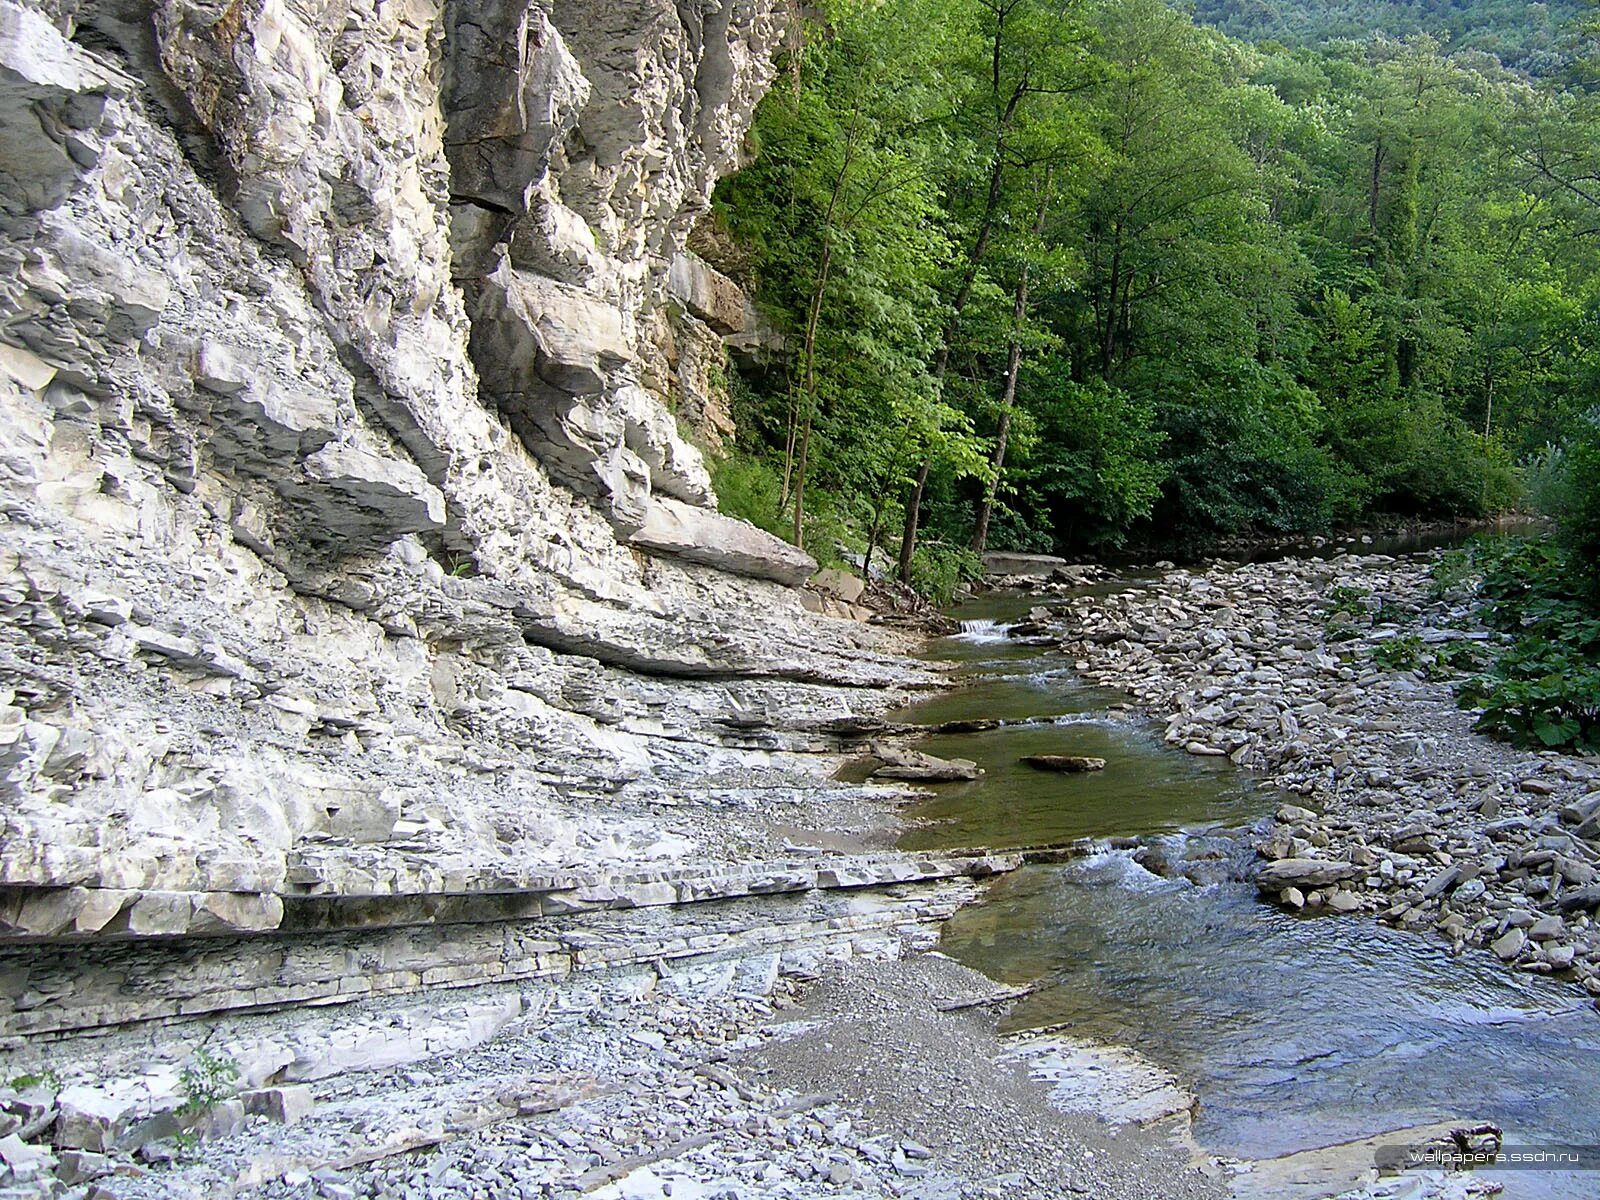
column 699, row 535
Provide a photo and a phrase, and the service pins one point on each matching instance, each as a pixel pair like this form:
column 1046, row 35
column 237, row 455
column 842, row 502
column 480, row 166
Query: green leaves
column 1274, row 286
column 1544, row 688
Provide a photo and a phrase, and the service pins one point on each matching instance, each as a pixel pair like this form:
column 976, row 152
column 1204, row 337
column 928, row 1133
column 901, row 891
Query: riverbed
column 1294, row 1031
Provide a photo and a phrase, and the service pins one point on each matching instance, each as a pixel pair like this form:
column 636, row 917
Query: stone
column 26, row 368
column 82, row 1166
column 1581, row 810
column 50, row 84
column 287, row 1105
column 160, row 913
column 1344, row 901
column 915, row 766
column 1583, row 899
column 1064, row 763
column 1559, row 956
column 225, row 912
column 1442, row 882
column 841, row 585
column 683, row 531
column 1471, row 890
column 1547, row 929
column 223, row 368
column 1292, row 897
column 25, row 1160
column 43, row 912
column 1303, row 873
column 1036, row 565
column 967, row 725
column 1509, row 944
column 92, row 1118
column 373, row 499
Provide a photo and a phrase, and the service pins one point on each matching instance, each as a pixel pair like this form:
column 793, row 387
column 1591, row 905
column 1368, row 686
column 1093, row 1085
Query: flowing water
column 1294, row 1032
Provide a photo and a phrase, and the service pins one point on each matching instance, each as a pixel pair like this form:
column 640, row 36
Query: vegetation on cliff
column 1061, row 275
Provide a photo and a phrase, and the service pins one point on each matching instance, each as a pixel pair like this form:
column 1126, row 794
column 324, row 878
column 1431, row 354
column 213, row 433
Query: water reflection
column 1294, row 1032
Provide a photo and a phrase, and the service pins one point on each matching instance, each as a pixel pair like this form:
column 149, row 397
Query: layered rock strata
column 353, row 566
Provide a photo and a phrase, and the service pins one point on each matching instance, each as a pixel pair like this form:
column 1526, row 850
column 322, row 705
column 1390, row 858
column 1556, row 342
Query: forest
column 1077, row 275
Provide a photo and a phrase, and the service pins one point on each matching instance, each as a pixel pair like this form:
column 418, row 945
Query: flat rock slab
column 953, row 770
column 1111, row 1082
column 1065, row 764
column 968, row 725
column 1304, row 873
column 917, row 767
column 1331, row 1170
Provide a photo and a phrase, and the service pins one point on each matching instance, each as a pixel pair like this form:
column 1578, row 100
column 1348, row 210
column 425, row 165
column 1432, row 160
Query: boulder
column 1064, row 763
column 1034, row 565
column 1344, row 901
column 286, row 1105
column 1581, row 900
column 969, row 725
column 1582, row 809
column 1509, row 944
column 841, row 585
column 52, row 91
column 699, row 535
column 917, row 767
column 1303, row 873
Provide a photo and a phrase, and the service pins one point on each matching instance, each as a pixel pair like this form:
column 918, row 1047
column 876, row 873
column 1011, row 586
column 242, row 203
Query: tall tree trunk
column 1488, row 396
column 980, row 531
column 798, row 440
column 941, row 362
column 808, row 391
column 980, row 248
column 1108, row 336
column 908, row 540
column 1008, row 400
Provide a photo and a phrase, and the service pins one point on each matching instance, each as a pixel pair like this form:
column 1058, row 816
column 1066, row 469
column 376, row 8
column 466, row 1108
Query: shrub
column 939, row 568
column 1399, row 653
column 1544, row 688
column 207, row 1079
column 749, row 487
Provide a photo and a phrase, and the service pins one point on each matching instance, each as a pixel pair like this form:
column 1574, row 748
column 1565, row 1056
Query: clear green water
column 1294, row 1032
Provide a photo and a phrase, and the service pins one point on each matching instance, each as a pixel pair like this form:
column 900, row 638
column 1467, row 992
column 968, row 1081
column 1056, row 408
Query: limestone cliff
column 350, row 547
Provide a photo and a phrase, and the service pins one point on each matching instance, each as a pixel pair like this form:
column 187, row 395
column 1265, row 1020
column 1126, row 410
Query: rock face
column 351, row 550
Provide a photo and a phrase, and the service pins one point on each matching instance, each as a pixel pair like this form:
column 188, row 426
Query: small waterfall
column 983, row 630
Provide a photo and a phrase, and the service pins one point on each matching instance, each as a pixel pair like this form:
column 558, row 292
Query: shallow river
column 1293, row 1031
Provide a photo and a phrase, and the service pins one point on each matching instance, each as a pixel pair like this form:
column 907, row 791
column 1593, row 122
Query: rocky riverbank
column 1306, row 672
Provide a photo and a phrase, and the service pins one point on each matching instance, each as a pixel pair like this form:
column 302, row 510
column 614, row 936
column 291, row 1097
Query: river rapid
column 1294, row 1031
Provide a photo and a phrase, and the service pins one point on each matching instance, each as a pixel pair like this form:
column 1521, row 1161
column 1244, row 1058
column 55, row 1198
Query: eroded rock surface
column 350, row 547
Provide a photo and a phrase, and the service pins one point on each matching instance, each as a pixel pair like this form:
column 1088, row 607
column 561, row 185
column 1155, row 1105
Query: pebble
column 1441, row 828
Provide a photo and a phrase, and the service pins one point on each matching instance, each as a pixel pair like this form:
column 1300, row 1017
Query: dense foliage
column 1519, row 34
column 1544, row 688
column 1062, row 274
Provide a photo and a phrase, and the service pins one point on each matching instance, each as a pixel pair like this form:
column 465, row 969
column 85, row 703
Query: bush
column 749, row 487
column 939, row 568
column 1544, row 688
column 207, row 1079
column 1405, row 653
column 1582, row 524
